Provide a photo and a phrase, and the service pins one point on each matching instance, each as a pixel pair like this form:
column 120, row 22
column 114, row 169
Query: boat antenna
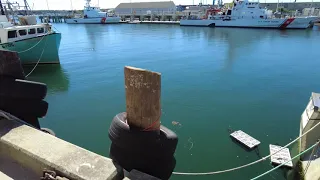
column 47, row 4
column 88, row 3
column 72, row 8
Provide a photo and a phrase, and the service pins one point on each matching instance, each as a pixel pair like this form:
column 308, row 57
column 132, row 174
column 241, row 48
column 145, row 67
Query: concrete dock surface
column 25, row 152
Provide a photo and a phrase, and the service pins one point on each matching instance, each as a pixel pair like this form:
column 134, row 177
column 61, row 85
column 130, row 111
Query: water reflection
column 53, row 75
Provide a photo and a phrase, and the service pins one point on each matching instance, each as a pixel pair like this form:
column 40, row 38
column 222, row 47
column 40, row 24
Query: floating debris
column 280, row 157
column 189, row 140
column 176, row 123
column 245, row 139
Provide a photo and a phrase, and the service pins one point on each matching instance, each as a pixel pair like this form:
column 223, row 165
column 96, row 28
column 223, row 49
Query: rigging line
column 309, row 162
column 246, row 165
column 39, row 58
column 317, row 143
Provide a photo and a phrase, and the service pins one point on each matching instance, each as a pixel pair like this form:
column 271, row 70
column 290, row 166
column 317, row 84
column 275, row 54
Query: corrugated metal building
column 143, row 8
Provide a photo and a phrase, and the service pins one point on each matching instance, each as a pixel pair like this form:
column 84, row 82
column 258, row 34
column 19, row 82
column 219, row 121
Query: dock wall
column 35, row 151
column 309, row 119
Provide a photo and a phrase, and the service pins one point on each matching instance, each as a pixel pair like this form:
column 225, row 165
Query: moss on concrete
column 300, row 171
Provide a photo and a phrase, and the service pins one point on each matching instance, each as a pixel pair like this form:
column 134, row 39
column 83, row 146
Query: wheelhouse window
column 12, row 34
column 40, row 30
column 31, row 31
column 22, row 32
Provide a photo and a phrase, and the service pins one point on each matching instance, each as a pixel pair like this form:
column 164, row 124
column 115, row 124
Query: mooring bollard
column 139, row 142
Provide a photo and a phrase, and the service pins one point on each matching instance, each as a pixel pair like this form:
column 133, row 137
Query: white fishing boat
column 34, row 43
column 247, row 14
column 93, row 15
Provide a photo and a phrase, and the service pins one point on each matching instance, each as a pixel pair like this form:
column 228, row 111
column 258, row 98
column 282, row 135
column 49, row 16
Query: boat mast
column 1, row 7
column 88, row 3
column 131, row 6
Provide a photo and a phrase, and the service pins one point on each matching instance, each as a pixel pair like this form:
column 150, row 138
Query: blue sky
column 78, row 4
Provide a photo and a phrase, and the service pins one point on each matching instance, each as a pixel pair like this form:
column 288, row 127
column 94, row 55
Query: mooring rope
column 246, row 165
column 273, row 169
column 33, row 45
column 45, row 44
column 309, row 162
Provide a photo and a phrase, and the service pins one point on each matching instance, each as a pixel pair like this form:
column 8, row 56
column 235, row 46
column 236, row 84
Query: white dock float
column 245, row 139
column 280, row 157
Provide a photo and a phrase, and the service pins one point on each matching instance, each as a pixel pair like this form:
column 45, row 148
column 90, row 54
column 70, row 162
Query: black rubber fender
column 18, row 88
column 10, row 65
column 23, row 107
column 161, row 168
column 142, row 141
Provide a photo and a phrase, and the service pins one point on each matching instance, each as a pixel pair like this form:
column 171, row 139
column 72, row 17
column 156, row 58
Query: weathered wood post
column 139, row 141
column 143, row 91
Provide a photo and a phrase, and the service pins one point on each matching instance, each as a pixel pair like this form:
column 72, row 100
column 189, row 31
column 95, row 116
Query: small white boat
column 93, row 15
column 134, row 22
column 247, row 14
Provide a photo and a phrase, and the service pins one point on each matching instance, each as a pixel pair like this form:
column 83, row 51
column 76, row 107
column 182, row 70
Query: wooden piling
column 143, row 91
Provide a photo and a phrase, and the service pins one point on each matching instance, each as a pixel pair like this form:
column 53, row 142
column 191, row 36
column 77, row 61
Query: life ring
column 103, row 20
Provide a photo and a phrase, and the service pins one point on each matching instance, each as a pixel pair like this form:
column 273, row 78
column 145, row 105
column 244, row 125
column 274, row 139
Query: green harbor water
column 213, row 79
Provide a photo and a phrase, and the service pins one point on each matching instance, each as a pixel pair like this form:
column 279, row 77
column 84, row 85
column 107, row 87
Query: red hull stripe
column 286, row 23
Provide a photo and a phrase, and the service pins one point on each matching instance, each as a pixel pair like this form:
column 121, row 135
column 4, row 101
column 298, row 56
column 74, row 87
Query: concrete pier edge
column 37, row 150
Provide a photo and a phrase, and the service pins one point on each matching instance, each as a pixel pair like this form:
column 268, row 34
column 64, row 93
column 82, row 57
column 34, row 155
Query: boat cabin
column 245, row 9
column 16, row 33
column 93, row 12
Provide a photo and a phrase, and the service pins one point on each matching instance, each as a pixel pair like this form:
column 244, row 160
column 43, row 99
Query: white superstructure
column 247, row 14
column 93, row 15
column 10, row 33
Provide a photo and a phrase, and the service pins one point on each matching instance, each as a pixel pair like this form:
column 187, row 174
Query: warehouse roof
column 161, row 4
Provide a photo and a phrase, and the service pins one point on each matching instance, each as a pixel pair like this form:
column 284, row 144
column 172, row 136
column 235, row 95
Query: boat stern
column 303, row 22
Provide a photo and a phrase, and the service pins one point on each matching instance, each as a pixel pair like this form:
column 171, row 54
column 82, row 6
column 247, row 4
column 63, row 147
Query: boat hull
column 44, row 49
column 108, row 20
column 286, row 23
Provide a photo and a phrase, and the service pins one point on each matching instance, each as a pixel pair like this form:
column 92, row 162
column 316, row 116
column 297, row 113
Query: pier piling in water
column 139, row 142
column 143, row 90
